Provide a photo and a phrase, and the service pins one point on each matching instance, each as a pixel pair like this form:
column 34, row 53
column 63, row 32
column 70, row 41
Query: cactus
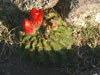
column 51, row 37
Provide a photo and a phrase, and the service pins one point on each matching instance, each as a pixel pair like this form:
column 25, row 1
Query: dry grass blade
column 6, row 43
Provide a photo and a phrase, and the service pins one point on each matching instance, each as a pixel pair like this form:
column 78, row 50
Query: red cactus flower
column 28, row 26
column 36, row 17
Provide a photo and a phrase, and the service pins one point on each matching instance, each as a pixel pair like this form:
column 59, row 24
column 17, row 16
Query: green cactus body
column 55, row 43
column 58, row 39
column 40, row 47
column 25, row 38
column 27, row 46
column 33, row 45
column 48, row 40
column 46, row 45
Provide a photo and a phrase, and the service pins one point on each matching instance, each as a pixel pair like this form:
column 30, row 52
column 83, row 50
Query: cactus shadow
column 70, row 58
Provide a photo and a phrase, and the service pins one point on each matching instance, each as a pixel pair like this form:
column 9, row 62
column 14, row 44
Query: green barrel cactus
column 49, row 40
column 52, row 35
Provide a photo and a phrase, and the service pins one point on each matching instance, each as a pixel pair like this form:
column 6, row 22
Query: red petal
column 33, row 10
column 40, row 11
column 36, row 17
column 27, row 26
